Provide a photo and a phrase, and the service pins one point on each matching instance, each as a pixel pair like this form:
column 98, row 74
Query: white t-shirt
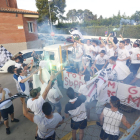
column 18, row 65
column 6, row 97
column 78, row 51
column 135, row 52
column 138, row 75
column 96, row 49
column 43, row 87
column 24, row 86
column 79, row 33
column 89, row 49
column 36, row 105
column 112, row 121
column 103, row 48
column 122, row 54
column 46, row 127
column 52, row 95
column 101, row 60
column 109, row 51
column 86, row 61
column 128, row 47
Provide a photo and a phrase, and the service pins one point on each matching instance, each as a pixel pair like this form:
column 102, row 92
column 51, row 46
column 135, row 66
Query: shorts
column 78, row 125
column 5, row 112
column 52, row 137
column 104, row 135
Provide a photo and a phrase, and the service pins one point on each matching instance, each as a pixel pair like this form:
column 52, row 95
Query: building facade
column 18, row 28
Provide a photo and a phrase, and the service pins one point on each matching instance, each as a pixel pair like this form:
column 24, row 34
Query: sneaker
column 15, row 120
column 8, row 131
column 98, row 123
column 35, row 137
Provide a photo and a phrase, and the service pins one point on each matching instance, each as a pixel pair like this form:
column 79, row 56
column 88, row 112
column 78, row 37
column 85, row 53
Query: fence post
column 130, row 132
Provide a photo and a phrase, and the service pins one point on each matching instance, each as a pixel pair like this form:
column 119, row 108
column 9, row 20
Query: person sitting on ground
column 118, row 71
column 53, row 96
column 101, row 61
column 8, row 109
column 110, row 47
column 77, row 53
column 135, row 58
column 85, row 66
column 17, row 63
column 111, row 119
column 123, row 54
column 76, row 108
column 127, row 43
column 23, row 81
column 15, row 77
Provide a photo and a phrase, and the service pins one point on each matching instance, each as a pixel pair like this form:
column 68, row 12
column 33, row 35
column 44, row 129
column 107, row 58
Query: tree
column 136, row 16
column 57, row 9
column 88, row 15
column 72, row 15
column 80, row 15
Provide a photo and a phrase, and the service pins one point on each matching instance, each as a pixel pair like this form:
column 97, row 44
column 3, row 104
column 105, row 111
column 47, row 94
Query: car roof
column 54, row 47
column 29, row 50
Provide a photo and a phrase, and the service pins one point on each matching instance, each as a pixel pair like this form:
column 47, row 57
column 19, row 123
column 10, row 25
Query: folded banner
column 128, row 95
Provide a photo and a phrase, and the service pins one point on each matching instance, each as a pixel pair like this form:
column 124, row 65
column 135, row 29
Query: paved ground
column 25, row 130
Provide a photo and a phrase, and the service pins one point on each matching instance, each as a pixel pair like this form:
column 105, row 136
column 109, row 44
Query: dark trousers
column 134, row 68
column 52, row 137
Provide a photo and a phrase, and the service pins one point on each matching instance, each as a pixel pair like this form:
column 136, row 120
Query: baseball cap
column 19, row 53
column 23, row 65
column 34, row 92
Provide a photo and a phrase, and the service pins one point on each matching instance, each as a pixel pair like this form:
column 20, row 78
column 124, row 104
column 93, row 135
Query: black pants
column 134, row 68
column 52, row 137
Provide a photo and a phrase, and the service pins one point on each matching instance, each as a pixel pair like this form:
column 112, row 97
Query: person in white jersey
column 111, row 119
column 8, row 109
column 123, row 54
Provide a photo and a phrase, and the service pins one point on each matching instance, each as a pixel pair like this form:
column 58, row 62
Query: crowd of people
column 121, row 61
column 120, row 58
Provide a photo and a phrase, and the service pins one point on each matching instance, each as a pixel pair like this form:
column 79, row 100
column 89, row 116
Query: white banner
column 129, row 95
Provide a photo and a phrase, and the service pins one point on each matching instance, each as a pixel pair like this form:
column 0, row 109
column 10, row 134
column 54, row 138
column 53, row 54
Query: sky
column 106, row 8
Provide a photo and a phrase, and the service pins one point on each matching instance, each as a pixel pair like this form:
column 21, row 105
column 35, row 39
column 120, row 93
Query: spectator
column 18, row 64
column 95, row 45
column 85, row 66
column 35, row 57
column 127, row 43
column 118, row 71
column 123, row 54
column 101, row 60
column 77, row 52
column 112, row 120
column 7, row 109
column 76, row 108
column 136, row 80
column 23, row 81
column 46, row 124
column 15, row 77
column 102, row 46
column 53, row 96
column 20, row 57
column 110, row 47
column 26, row 70
column 135, row 58
column 84, row 90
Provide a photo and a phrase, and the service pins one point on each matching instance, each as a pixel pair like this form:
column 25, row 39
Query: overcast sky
column 106, row 8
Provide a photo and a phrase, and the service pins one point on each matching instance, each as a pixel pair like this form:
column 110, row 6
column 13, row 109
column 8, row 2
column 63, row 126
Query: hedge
column 128, row 31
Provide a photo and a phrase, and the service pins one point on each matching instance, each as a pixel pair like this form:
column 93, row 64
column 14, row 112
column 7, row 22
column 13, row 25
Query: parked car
column 26, row 55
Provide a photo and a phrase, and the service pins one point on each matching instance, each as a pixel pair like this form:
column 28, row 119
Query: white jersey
column 112, row 121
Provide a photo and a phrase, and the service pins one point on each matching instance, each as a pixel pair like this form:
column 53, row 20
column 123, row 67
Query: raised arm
column 40, row 76
column 32, row 63
column 28, row 115
column 24, row 80
column 101, row 118
column 121, row 37
column 108, row 38
column 114, row 45
column 53, row 76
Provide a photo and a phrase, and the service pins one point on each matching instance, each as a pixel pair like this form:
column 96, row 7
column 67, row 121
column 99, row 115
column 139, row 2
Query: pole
column 61, row 61
column 130, row 132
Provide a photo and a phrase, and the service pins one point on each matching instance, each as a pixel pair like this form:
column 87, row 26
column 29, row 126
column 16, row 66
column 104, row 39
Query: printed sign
column 129, row 95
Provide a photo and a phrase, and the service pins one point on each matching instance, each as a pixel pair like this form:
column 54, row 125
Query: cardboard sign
column 128, row 95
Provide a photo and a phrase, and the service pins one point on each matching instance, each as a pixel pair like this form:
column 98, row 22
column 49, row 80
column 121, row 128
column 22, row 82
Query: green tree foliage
column 57, row 9
column 136, row 16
